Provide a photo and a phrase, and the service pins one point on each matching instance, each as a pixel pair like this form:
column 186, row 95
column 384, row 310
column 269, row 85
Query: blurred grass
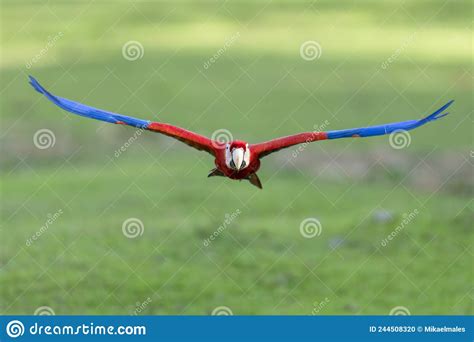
column 259, row 88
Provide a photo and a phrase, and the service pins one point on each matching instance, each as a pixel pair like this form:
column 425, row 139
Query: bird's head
column 237, row 155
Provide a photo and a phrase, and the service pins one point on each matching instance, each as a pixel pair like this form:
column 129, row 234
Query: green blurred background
column 378, row 62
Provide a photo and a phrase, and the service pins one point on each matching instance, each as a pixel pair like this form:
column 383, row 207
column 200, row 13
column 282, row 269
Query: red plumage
column 235, row 159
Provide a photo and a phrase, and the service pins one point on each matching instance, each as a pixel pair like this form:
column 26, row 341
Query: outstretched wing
column 271, row 146
column 190, row 138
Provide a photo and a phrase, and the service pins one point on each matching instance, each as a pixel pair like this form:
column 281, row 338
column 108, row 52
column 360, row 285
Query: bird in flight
column 236, row 159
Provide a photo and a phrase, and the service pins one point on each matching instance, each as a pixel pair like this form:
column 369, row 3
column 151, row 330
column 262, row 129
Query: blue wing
column 388, row 128
column 90, row 112
column 192, row 139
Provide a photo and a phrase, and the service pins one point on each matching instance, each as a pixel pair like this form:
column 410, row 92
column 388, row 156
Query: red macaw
column 236, row 159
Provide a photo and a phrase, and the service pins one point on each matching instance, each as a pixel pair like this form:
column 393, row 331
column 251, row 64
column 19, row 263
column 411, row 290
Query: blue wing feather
column 87, row 111
column 388, row 128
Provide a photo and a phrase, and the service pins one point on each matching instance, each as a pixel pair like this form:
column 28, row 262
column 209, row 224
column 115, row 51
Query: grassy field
column 378, row 63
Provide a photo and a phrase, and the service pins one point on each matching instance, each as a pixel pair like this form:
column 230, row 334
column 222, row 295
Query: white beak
column 238, row 157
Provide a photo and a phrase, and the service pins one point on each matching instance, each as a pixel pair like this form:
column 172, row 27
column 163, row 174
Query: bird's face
column 237, row 155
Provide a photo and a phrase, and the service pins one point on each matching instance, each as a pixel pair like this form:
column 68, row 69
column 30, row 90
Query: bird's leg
column 253, row 179
column 215, row 172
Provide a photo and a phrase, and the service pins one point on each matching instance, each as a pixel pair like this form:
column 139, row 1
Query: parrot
column 236, row 159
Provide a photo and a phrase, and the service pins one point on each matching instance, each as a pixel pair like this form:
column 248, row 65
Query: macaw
column 236, row 159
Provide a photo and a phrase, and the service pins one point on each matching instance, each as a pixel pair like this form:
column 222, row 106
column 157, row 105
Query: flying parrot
column 236, row 159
